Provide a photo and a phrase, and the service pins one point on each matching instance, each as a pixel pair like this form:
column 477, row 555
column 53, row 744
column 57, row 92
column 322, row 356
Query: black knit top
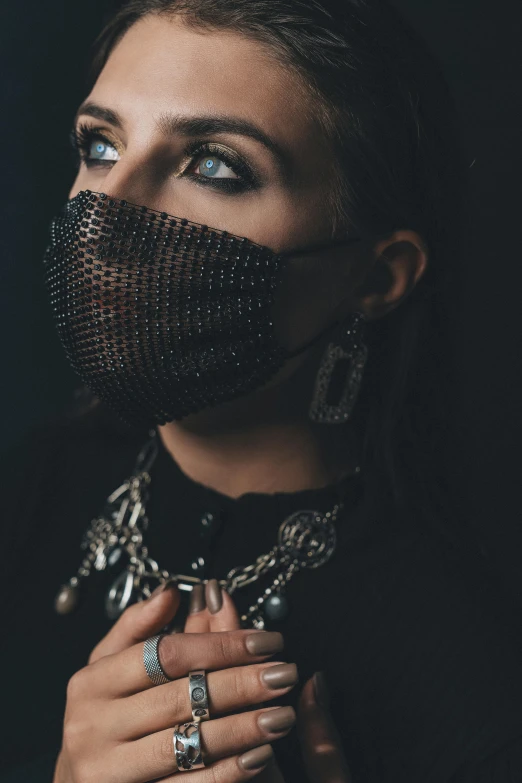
column 421, row 650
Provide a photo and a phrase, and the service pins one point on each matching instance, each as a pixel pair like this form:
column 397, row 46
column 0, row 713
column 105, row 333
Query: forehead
column 163, row 65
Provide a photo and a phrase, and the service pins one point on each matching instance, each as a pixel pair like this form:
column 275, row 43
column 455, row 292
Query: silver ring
column 198, row 693
column 151, row 661
column 187, row 746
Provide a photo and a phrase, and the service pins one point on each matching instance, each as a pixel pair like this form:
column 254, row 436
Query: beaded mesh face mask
column 160, row 316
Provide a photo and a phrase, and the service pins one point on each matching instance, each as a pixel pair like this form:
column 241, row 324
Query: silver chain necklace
column 306, row 539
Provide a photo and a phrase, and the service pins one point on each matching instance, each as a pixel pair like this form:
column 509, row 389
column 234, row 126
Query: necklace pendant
column 120, row 595
column 114, row 556
column 276, row 607
column 67, row 599
column 309, row 538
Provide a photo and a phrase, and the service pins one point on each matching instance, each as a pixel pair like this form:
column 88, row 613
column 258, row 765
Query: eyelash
column 83, row 136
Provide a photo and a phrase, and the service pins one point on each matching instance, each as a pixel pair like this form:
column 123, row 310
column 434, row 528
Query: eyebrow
column 172, row 124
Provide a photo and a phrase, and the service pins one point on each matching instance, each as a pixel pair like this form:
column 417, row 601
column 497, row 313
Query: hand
column 118, row 725
column 321, row 747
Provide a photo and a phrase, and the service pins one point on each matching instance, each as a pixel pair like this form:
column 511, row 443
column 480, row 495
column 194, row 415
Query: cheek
column 309, row 299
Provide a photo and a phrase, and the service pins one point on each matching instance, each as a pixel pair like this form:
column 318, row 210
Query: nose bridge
column 131, row 179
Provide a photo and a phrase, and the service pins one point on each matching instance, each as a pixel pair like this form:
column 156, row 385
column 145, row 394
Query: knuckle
column 176, row 700
column 172, row 702
column 74, row 731
column 324, row 749
column 241, row 684
column 217, row 773
column 226, row 647
column 96, row 653
column 222, row 648
column 77, row 684
column 162, row 750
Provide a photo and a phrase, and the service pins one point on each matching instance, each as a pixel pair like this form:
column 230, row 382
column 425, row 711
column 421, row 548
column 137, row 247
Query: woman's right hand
column 118, row 726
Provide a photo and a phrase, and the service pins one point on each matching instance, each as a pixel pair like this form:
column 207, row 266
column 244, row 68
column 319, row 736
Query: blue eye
column 211, row 166
column 100, row 150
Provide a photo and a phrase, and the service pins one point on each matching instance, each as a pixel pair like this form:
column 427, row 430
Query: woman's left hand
column 323, row 757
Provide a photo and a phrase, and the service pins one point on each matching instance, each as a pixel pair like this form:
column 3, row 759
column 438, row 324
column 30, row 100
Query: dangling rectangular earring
column 340, row 374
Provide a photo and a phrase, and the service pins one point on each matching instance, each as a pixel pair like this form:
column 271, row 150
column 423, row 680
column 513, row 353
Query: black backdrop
column 43, row 50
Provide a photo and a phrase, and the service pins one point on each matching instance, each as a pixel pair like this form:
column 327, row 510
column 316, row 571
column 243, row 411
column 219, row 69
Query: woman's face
column 206, row 125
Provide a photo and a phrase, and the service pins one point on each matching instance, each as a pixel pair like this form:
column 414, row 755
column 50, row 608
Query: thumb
column 139, row 621
column 321, row 744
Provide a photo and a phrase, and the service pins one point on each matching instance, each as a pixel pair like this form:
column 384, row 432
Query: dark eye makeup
column 83, row 136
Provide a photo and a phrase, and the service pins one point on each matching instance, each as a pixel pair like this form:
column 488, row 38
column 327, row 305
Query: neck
column 263, row 443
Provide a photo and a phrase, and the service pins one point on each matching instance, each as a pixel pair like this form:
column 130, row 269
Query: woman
column 252, row 276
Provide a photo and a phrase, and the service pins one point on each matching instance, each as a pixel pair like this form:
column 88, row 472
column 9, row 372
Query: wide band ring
column 151, row 661
column 187, row 746
column 198, row 693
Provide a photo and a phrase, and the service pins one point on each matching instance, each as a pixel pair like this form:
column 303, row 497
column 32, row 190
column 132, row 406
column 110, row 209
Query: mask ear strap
column 307, row 251
column 322, row 333
column 314, row 340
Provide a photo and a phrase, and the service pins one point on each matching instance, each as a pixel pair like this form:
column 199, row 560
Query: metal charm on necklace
column 306, row 539
column 116, row 533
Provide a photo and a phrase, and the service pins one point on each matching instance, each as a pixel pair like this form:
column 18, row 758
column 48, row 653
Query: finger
column 139, row 621
column 223, row 614
column 123, row 673
column 229, row 690
column 324, row 758
column 231, row 770
column 219, row 738
column 197, row 620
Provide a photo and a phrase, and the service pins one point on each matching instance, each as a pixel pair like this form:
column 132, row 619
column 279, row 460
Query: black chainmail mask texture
column 159, row 316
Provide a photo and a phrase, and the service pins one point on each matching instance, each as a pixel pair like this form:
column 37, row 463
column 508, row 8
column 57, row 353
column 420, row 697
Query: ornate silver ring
column 198, row 693
column 151, row 661
column 187, row 746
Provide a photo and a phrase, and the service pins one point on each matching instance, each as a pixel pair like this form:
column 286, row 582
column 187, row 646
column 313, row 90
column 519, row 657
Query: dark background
column 43, row 51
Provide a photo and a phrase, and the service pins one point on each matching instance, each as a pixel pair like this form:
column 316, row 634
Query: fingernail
column 264, row 643
column 213, row 596
column 161, row 588
column 278, row 720
column 322, row 694
column 256, row 758
column 197, row 599
column 283, row 675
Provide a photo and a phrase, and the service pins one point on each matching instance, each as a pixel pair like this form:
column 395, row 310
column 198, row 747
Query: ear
column 400, row 260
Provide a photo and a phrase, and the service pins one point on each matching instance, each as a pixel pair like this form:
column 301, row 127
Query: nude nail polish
column 161, row 588
column 197, row 599
column 257, row 758
column 213, row 596
column 282, row 675
column 264, row 643
column 277, row 720
column 322, row 694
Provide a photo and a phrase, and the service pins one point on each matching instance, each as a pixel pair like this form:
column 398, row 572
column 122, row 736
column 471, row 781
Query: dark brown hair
column 387, row 109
